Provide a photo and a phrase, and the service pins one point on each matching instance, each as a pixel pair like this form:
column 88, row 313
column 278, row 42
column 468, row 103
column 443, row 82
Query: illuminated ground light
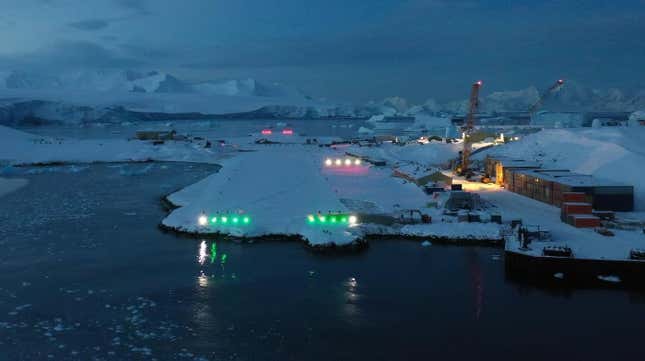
column 340, row 219
column 339, row 162
column 287, row 131
column 266, row 132
column 224, row 220
column 202, row 220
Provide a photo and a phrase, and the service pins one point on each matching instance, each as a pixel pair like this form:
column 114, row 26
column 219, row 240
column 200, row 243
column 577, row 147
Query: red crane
column 552, row 89
column 469, row 126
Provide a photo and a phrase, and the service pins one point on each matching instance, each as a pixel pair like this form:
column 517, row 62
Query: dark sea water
column 223, row 128
column 85, row 274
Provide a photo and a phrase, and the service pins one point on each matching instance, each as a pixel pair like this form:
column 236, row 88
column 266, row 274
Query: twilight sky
column 340, row 49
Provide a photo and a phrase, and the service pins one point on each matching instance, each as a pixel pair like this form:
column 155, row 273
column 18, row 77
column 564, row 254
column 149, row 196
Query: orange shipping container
column 576, row 208
column 574, row 197
column 584, row 221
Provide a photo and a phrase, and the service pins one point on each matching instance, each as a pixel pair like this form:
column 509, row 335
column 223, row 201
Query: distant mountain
column 572, row 97
column 140, row 82
column 126, row 95
column 115, row 95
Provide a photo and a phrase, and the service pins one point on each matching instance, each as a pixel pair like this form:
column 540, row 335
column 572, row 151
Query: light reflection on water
column 351, row 307
column 201, row 258
column 203, row 255
column 203, row 280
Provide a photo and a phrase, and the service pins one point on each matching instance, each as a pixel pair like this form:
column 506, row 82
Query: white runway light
column 328, row 162
column 353, row 220
column 339, row 162
column 357, row 162
column 203, row 220
column 348, row 162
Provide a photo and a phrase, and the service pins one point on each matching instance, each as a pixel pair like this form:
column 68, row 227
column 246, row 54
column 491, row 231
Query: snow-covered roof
column 569, row 178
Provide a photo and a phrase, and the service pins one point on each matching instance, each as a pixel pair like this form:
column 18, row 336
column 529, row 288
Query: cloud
column 138, row 6
column 90, row 25
column 142, row 52
column 70, row 55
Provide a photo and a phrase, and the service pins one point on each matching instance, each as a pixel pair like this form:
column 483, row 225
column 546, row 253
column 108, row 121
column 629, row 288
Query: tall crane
column 469, row 126
column 545, row 94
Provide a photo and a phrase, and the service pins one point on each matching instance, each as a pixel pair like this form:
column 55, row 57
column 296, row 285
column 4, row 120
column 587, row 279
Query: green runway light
column 332, row 219
column 224, row 220
column 223, row 258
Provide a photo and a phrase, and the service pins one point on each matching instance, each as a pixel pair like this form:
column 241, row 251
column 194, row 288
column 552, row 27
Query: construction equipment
column 412, row 216
column 463, row 169
column 545, row 94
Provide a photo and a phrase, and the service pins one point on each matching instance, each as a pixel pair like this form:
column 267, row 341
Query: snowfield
column 18, row 147
column 276, row 187
column 433, row 153
column 612, row 153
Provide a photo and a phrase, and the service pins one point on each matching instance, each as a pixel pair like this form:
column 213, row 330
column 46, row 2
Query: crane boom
column 469, row 125
column 553, row 88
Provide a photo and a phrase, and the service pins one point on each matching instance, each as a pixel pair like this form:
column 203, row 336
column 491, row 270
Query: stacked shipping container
column 549, row 185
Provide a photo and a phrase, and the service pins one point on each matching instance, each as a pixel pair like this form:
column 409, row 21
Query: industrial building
column 495, row 165
column 549, row 185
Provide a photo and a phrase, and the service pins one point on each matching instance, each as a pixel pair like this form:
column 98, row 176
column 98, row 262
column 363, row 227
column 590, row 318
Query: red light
column 287, row 131
column 266, row 132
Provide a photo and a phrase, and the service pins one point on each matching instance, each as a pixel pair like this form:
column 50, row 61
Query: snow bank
column 613, row 153
column 455, row 231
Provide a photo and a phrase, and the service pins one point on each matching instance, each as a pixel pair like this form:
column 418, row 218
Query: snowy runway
column 277, row 188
